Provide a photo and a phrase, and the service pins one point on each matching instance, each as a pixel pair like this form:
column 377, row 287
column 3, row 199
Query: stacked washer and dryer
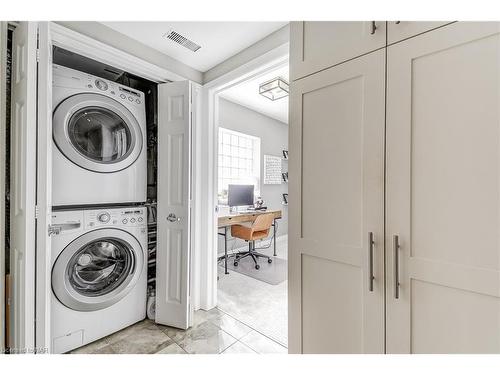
column 99, row 242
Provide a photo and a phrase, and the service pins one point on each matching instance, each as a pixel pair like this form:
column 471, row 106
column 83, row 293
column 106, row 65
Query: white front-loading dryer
column 99, row 274
column 99, row 137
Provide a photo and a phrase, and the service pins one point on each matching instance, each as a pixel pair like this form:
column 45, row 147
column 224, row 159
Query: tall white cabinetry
column 409, row 263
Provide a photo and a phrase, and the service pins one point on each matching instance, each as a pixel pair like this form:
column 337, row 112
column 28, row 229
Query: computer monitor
column 240, row 195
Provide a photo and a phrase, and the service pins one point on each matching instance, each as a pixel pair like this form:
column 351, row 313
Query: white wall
column 273, row 136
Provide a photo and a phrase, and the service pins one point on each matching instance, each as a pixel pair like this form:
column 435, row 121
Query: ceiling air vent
column 182, row 40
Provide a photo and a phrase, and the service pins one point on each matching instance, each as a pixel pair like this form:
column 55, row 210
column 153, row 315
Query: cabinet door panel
column 316, row 45
column 443, row 191
column 399, row 30
column 336, row 199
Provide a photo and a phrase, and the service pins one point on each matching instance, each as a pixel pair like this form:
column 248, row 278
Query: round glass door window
column 97, row 269
column 100, row 267
column 99, row 134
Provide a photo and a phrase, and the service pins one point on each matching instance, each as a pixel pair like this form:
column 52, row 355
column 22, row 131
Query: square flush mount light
column 274, row 89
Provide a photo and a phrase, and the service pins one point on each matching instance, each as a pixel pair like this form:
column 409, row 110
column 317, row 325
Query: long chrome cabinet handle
column 396, row 265
column 371, row 277
column 373, row 28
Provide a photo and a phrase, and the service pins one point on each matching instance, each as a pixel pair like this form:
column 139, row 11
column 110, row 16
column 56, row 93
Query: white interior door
column 30, row 187
column 174, row 204
column 3, row 114
column 443, row 191
column 336, row 287
column 23, row 186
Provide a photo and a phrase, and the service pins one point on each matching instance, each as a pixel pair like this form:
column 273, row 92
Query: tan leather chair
column 259, row 229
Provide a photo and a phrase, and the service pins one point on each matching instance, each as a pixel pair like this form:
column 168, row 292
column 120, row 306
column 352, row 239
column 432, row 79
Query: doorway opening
column 251, row 166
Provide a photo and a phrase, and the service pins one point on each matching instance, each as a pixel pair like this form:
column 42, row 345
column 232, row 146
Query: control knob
column 103, row 217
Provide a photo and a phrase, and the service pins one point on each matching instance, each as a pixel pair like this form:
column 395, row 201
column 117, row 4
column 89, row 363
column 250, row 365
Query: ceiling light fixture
column 274, row 89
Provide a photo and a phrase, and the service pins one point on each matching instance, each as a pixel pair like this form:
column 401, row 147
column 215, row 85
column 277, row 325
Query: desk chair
column 259, row 229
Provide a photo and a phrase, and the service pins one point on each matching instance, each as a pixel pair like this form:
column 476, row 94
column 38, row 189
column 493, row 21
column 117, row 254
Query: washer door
column 97, row 269
column 97, row 133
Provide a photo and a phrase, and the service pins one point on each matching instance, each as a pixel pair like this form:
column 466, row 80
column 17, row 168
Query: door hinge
column 37, row 212
column 37, row 55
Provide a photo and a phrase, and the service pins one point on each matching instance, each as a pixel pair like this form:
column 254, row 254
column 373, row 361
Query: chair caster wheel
column 269, row 260
column 257, row 266
column 235, row 264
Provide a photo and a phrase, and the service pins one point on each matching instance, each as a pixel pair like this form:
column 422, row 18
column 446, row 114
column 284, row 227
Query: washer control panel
column 116, row 217
column 66, row 77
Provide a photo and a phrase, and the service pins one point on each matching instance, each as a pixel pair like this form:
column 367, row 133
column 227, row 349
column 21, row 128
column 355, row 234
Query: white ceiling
column 247, row 94
column 218, row 40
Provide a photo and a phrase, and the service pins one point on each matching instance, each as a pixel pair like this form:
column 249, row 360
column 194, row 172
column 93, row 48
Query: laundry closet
column 113, row 155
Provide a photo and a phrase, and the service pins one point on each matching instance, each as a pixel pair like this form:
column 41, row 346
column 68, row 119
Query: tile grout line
column 253, row 329
column 242, row 343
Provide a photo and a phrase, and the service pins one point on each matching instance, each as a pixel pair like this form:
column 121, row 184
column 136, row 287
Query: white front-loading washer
column 99, row 274
column 99, row 134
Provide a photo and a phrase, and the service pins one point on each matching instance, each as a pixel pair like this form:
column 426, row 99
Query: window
column 239, row 161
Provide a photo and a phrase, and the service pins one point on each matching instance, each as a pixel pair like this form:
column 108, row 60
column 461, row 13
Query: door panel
column 23, row 186
column 453, row 320
column 337, row 134
column 443, row 191
column 174, row 185
column 3, row 117
column 324, row 278
column 399, row 30
column 316, row 45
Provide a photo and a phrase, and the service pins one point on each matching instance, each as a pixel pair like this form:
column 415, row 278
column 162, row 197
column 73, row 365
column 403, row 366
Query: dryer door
column 97, row 133
column 97, row 269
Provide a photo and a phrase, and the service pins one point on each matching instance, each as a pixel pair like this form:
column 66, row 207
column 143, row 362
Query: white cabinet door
column 336, row 200
column 399, row 30
column 318, row 45
column 174, row 204
column 443, row 191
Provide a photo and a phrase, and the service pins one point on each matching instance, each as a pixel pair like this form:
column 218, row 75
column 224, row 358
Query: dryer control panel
column 67, row 77
column 116, row 217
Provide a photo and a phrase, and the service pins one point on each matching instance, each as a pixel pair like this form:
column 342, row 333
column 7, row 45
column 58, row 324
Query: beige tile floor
column 213, row 332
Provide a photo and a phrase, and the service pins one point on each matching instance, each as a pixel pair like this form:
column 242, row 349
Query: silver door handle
column 396, row 246
column 374, row 28
column 371, row 245
column 172, row 218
